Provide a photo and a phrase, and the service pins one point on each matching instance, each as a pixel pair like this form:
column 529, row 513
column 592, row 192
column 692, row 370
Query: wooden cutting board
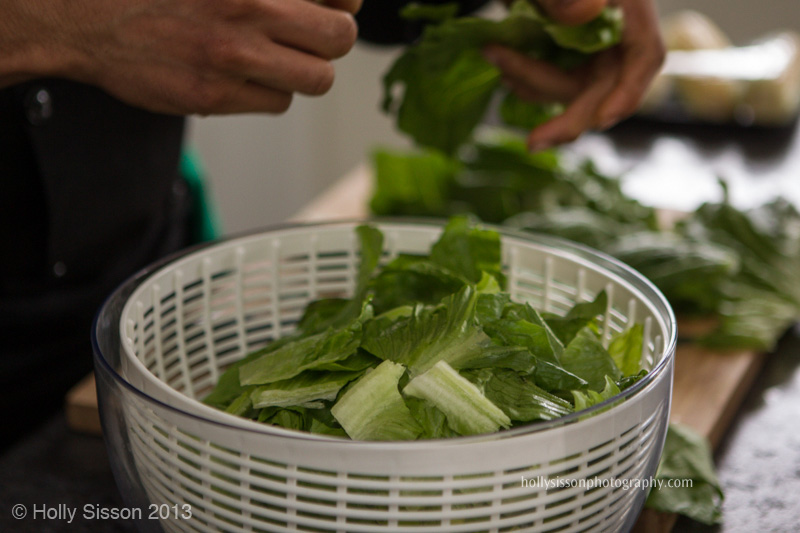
column 709, row 386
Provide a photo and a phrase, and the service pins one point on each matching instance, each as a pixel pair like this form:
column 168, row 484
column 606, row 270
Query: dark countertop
column 54, row 466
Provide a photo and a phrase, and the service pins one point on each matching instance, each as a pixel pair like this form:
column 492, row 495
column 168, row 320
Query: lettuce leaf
column 373, row 408
column 467, row 410
column 447, row 332
column 308, row 389
column 586, row 399
column 687, row 456
column 626, row 349
column 314, row 352
column 446, row 82
column 519, row 398
column 586, row 358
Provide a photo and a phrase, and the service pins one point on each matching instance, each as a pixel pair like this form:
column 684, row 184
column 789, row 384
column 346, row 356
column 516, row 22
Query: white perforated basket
column 183, row 323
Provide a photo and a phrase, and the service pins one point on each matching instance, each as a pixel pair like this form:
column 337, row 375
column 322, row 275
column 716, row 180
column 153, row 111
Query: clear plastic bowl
column 163, row 337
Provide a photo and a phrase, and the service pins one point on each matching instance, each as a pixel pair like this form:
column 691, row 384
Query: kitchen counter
column 758, row 459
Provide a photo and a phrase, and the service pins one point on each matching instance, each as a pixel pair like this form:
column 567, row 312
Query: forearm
column 32, row 41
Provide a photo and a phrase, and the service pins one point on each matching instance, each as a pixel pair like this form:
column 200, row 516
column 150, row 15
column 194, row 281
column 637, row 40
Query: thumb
column 572, row 12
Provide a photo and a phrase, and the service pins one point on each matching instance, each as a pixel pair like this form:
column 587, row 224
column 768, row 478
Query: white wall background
column 263, row 168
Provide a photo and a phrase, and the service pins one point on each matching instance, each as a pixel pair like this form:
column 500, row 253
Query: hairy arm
column 180, row 56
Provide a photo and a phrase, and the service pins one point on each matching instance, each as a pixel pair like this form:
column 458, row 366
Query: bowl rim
column 598, row 259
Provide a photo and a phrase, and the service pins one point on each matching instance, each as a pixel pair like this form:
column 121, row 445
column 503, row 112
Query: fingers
column 642, row 54
column 308, row 26
column 351, row 6
column 288, row 50
column 240, row 57
column 251, row 97
column 580, row 115
column 533, row 79
column 610, row 90
column 572, row 12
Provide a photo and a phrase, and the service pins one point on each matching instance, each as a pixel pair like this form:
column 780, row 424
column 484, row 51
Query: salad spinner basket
column 163, row 339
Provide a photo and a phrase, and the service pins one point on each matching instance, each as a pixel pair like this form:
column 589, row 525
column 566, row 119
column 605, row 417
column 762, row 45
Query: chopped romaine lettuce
column 448, row 354
column 373, row 408
column 468, row 411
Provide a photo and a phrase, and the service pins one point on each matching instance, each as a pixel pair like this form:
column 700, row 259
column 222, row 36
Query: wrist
column 32, row 43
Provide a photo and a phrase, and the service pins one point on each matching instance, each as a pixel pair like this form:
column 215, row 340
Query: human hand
column 182, row 56
column 599, row 94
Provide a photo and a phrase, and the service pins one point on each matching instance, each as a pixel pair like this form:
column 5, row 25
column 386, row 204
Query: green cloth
column 205, row 217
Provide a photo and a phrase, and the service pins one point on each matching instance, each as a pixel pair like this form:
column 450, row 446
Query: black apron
column 90, row 192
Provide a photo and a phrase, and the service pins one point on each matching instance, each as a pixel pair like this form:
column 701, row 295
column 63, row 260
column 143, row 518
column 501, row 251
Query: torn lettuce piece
column 519, row 397
column 524, row 312
column 490, row 306
column 289, row 418
column 468, row 250
column 373, row 409
column 527, row 115
column 586, row 358
column 593, row 36
column 447, row 84
column 468, row 411
column 424, row 185
column 307, row 353
column 308, row 389
column 446, row 332
column 626, row 348
column 242, row 405
column 553, row 378
column 580, row 316
column 409, row 280
column 320, row 314
column 511, row 332
column 687, row 456
column 320, row 428
column 432, row 420
column 516, row 358
column 360, row 360
column 586, row 399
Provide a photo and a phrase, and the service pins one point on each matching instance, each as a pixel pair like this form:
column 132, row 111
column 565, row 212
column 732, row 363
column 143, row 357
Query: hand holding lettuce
column 448, row 84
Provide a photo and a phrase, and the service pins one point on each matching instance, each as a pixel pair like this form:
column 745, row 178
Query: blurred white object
column 713, row 81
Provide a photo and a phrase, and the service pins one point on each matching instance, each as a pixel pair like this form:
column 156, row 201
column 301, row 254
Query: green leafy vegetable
column 373, row 408
column 626, row 349
column 583, row 314
column 467, row 410
column 585, row 357
column 517, row 112
column 425, row 187
column 586, row 399
column 520, row 398
column 321, row 351
column 741, row 266
column 309, row 389
column 687, row 456
column 448, row 84
column 468, row 250
column 447, row 332
column 448, row 354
